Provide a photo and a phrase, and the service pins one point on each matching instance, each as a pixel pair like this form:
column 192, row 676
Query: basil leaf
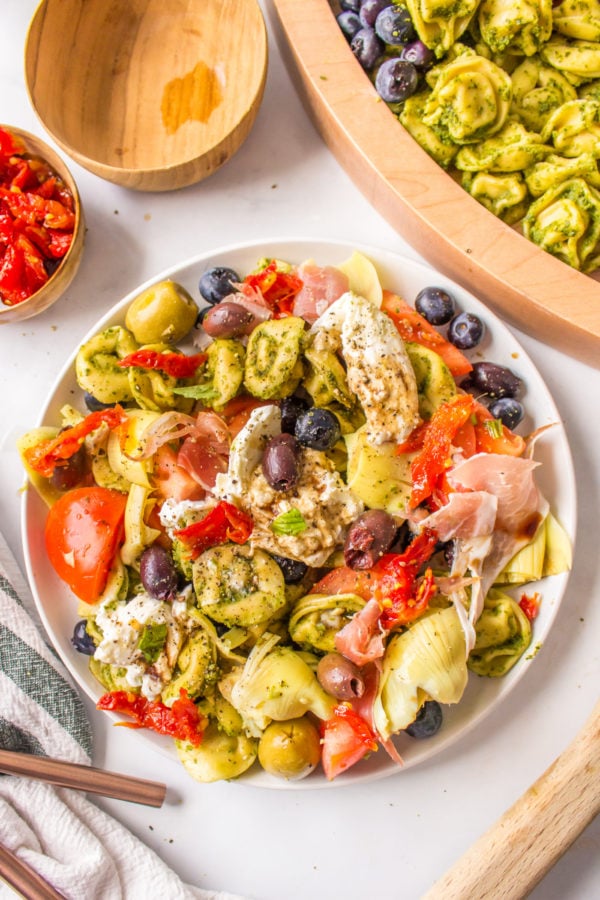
column 290, row 522
column 152, row 641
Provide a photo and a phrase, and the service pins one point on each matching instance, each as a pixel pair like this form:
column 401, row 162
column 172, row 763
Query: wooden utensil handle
column 515, row 854
column 83, row 778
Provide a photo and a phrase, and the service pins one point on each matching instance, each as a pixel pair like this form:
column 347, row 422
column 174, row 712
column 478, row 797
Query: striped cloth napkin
column 80, row 850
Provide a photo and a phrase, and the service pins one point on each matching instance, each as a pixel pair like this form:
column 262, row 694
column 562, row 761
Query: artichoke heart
column 278, row 684
column 194, row 663
column 236, row 585
column 503, row 634
column 428, row 657
column 316, row 619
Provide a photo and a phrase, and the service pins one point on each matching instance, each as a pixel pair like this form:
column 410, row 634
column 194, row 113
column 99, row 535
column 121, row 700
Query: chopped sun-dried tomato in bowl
column 41, row 225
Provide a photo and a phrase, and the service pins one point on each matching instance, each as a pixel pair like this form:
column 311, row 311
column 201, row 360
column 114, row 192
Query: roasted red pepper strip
column 182, row 720
column 278, row 288
column 433, row 459
column 530, row 605
column 223, row 523
column 45, row 456
column 176, row 364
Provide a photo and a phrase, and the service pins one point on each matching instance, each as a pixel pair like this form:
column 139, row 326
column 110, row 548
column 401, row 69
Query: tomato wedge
column 346, row 739
column 413, row 327
column 84, row 530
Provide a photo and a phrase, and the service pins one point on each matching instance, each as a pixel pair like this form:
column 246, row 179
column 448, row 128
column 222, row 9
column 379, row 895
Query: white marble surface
column 392, row 838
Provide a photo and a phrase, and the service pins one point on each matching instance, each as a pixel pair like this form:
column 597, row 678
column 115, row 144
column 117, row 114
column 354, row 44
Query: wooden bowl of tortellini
column 490, row 169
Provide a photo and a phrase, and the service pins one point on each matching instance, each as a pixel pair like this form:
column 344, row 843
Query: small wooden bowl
column 151, row 95
column 530, row 288
column 64, row 274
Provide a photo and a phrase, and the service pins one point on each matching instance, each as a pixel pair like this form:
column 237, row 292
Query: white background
column 392, row 838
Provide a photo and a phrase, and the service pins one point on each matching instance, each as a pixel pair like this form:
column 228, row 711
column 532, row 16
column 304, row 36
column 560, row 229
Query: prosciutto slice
column 321, row 286
column 361, row 640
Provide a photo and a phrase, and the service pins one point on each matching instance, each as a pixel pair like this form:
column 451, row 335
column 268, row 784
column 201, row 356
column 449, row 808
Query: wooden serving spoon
column 524, row 844
column 150, row 95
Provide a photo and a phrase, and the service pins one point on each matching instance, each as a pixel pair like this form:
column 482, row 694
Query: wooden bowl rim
column 529, row 287
column 181, row 173
column 61, row 278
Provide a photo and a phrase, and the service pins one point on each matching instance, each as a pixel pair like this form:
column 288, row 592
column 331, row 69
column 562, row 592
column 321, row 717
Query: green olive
column 163, row 312
column 290, row 749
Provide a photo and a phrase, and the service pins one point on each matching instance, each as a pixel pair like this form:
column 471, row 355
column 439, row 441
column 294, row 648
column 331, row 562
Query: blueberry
column 435, row 304
column 366, row 47
column 217, row 283
column 349, row 23
column 351, row 5
column 95, row 405
column 394, row 26
column 293, row 569
column 493, row 380
column 508, row 410
column 291, row 408
column 318, row 428
column 428, row 721
column 417, row 53
column 81, row 640
column 465, row 331
column 370, row 9
column 396, row 80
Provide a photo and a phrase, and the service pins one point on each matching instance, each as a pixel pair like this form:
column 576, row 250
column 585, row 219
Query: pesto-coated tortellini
column 195, row 665
column 579, row 60
column 325, row 380
column 435, row 383
column 512, row 150
column 236, row 585
column 574, row 128
column 224, row 370
column 97, row 365
column 428, row 660
column 437, row 145
column 273, row 358
column 504, row 195
column 503, row 634
column 521, row 26
column 277, row 684
column 440, row 24
column 578, row 19
column 538, row 90
column 470, row 99
column 219, row 757
column 565, row 221
column 554, row 170
column 154, row 389
column 316, row 619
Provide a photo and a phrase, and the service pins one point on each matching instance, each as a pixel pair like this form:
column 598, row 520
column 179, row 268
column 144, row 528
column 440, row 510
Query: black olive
column 428, row 721
column 293, row 569
column 318, row 429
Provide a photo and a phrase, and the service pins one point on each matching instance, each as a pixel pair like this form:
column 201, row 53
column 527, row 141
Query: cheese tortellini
column 512, row 110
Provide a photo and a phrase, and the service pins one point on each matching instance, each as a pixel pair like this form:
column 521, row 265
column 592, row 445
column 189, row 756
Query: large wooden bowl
column 61, row 278
column 152, row 94
column 532, row 289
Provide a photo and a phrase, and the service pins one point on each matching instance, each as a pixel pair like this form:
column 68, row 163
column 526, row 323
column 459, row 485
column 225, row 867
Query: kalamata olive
column 227, row 320
column 291, row 407
column 508, row 410
column 280, row 462
column 368, row 538
column 68, row 473
column 340, row 677
column 293, row 570
column 81, row 640
column 493, row 380
column 318, row 428
column 158, row 572
column 428, row 721
column 290, row 749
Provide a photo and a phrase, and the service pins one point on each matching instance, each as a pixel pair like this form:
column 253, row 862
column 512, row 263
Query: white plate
column 555, row 478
